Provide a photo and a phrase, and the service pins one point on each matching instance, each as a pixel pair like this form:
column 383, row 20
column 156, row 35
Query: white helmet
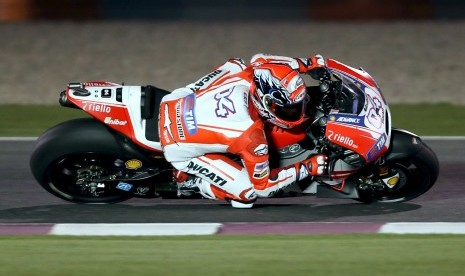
column 280, row 94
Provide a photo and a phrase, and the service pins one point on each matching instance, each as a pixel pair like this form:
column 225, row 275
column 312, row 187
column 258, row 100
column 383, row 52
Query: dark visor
column 290, row 112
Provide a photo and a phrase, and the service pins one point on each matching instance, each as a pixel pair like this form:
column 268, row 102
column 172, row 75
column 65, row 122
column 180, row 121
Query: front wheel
column 416, row 175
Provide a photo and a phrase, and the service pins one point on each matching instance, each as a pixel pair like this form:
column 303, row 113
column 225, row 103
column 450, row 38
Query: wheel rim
column 414, row 180
column 76, row 178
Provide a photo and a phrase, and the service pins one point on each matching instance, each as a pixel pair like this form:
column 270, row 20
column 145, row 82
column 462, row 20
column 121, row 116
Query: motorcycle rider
column 208, row 123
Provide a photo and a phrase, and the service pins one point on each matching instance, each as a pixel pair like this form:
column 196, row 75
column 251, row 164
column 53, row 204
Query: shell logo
column 392, row 181
column 332, row 118
column 133, row 164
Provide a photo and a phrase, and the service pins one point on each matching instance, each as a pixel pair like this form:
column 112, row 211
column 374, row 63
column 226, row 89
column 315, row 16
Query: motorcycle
column 115, row 154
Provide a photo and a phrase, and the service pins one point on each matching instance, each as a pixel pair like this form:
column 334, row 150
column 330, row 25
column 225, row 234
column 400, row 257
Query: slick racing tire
column 417, row 174
column 73, row 160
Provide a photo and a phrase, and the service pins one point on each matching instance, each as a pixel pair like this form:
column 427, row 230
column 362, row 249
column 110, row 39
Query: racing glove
column 314, row 166
column 317, row 68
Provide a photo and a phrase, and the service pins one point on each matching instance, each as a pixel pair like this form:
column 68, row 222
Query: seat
column 151, row 97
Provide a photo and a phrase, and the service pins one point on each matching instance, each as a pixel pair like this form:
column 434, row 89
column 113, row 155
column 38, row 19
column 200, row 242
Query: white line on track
column 17, row 139
column 181, row 229
column 135, row 229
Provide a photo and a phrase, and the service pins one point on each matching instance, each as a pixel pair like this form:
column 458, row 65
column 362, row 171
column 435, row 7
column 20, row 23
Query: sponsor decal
column 261, row 150
column 347, row 119
column 179, row 126
column 392, row 182
column 133, row 164
column 166, row 136
column 124, row 186
column 167, row 125
column 300, row 97
column 105, row 93
column 188, row 114
column 374, row 151
column 97, row 83
column 205, row 80
column 337, row 137
column 261, row 170
column 290, row 150
column 303, row 172
column 199, row 169
column 95, row 107
column 375, row 115
column 294, row 148
column 299, row 82
column 252, row 195
column 116, row 122
column 224, row 105
column 142, row 191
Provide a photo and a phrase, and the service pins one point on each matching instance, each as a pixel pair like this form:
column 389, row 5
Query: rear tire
column 67, row 154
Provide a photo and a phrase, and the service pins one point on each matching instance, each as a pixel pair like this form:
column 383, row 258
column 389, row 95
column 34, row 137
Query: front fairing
column 360, row 119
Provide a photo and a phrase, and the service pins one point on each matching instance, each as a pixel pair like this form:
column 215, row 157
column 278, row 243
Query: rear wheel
column 85, row 178
column 77, row 159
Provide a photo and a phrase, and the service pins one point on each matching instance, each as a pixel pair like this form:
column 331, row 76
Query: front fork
column 349, row 177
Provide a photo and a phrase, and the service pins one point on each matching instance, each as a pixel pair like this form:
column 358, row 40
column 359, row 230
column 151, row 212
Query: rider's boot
column 189, row 185
column 205, row 189
column 240, row 205
column 186, row 183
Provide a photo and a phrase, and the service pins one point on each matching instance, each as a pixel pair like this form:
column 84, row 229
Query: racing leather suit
column 203, row 125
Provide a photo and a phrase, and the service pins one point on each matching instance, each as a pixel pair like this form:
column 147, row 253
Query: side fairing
column 117, row 106
column 367, row 130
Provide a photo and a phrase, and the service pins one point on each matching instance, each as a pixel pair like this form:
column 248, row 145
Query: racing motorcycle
column 115, row 154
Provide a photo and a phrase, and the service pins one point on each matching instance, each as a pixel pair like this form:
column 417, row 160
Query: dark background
column 207, row 10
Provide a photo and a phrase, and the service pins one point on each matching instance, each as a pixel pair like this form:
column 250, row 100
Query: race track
column 22, row 200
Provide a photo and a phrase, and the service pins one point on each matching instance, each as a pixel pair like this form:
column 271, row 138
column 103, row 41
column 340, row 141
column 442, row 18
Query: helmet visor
column 290, row 112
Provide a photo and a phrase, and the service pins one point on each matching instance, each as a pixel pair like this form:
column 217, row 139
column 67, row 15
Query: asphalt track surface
column 22, row 200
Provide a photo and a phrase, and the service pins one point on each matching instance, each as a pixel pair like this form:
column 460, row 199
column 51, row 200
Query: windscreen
column 349, row 97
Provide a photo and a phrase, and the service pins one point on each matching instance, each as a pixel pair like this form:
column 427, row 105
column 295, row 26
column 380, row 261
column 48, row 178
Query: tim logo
column 189, row 115
column 224, row 105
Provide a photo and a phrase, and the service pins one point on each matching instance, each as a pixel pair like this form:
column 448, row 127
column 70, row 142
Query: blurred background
column 205, row 10
column 413, row 48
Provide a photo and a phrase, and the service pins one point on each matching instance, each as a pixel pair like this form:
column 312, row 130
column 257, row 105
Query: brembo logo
column 111, row 121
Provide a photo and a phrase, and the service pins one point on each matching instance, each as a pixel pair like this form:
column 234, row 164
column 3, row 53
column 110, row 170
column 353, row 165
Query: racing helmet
column 280, row 94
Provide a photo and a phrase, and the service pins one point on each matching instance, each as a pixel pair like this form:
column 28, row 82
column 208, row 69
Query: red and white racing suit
column 202, row 123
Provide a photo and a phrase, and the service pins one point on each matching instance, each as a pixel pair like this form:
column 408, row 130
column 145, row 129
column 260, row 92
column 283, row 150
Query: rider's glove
column 314, row 166
column 317, row 68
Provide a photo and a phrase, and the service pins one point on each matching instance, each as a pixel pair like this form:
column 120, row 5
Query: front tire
column 417, row 174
